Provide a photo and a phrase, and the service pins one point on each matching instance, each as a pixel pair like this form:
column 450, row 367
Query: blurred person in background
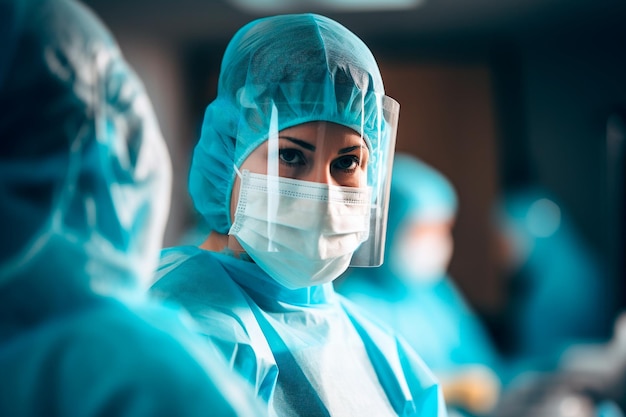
column 413, row 293
column 558, row 292
column 290, row 173
column 559, row 307
column 84, row 196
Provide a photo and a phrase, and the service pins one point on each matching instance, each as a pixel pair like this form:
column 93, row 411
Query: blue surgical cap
column 84, row 171
column 418, row 193
column 305, row 68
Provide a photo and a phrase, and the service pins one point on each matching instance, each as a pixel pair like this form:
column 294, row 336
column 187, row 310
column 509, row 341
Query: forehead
column 321, row 125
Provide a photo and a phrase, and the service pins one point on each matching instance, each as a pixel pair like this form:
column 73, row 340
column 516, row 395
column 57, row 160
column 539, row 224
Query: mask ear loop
column 239, row 174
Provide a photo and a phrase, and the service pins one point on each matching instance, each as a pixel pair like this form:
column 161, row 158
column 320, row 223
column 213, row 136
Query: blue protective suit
column 307, row 351
column 84, row 190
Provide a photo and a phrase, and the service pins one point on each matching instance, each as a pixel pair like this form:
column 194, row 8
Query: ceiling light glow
column 294, row 6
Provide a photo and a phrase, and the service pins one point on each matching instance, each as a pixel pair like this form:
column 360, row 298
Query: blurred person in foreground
column 84, row 191
column 413, row 293
column 290, row 174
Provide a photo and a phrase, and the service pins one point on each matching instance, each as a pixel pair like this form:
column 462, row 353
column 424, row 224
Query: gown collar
column 262, row 287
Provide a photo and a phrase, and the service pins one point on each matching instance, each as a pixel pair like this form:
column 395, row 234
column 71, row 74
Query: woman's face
column 321, row 152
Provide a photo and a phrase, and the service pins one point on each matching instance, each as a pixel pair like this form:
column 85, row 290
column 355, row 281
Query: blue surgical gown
column 65, row 351
column 307, row 351
column 434, row 319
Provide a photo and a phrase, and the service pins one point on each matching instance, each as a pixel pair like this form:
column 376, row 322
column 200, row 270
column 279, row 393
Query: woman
column 291, row 174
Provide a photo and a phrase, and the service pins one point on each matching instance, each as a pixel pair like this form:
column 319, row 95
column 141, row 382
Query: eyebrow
column 305, row 145
column 350, row 149
column 312, row 148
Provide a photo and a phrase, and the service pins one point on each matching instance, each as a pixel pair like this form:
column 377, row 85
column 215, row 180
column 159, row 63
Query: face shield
column 315, row 174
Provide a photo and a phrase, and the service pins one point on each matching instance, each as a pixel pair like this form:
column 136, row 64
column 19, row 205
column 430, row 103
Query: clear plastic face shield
column 313, row 187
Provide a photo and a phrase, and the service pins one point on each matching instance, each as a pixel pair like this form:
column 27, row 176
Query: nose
column 321, row 173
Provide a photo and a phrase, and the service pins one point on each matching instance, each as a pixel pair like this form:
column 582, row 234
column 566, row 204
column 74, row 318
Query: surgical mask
column 423, row 259
column 301, row 233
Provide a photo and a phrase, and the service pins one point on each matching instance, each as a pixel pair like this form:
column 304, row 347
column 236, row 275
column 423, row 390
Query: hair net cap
column 84, row 171
column 308, row 68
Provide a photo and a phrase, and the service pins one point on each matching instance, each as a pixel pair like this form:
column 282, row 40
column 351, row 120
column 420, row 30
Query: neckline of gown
column 259, row 284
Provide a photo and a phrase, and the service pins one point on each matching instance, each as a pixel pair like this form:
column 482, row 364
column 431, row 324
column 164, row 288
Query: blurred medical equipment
column 590, row 382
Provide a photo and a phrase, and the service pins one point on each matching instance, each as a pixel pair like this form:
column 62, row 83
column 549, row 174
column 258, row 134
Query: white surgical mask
column 422, row 260
column 301, row 233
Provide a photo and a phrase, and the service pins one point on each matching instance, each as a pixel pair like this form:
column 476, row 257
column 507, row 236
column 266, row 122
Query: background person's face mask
column 301, row 233
column 423, row 258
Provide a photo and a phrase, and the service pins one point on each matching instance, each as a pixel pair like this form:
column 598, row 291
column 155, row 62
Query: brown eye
column 347, row 163
column 291, row 157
